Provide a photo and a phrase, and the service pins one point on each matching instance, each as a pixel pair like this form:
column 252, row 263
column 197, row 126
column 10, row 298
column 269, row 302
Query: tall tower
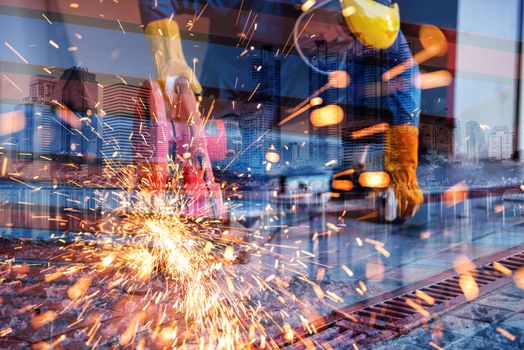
column 126, row 123
column 457, row 141
column 261, row 113
column 475, row 141
column 500, row 143
column 292, row 155
column 77, row 89
column 41, row 88
column 233, row 139
column 39, row 113
column 324, row 142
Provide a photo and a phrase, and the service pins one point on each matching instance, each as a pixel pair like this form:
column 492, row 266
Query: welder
column 374, row 25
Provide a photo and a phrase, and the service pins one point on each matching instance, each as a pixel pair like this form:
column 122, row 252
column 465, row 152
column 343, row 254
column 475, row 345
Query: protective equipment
column 166, row 46
column 372, row 23
column 400, row 161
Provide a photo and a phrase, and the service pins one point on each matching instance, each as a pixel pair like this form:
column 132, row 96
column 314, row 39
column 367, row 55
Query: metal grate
column 388, row 316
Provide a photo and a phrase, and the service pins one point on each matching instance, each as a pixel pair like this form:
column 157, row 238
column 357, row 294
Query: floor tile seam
column 480, row 302
column 493, row 323
column 492, row 342
column 509, row 294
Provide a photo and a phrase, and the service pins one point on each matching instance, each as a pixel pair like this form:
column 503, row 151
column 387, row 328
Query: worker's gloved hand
column 165, row 43
column 401, row 161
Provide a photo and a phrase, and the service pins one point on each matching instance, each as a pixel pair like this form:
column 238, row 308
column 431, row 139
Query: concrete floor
column 419, row 248
column 476, row 325
column 424, row 246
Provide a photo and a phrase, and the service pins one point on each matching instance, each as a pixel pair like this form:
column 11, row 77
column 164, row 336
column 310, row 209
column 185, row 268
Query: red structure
column 178, row 133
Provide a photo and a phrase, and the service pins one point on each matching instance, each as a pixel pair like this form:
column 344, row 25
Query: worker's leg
column 401, row 152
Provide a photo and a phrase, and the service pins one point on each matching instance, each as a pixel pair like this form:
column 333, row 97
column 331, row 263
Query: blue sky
column 486, row 98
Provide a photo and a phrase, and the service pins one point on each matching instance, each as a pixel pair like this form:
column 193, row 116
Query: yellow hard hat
column 372, row 23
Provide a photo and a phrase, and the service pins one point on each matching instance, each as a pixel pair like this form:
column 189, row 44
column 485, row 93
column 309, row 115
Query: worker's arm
column 165, row 41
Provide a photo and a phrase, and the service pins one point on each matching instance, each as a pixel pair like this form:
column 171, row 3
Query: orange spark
column 79, row 288
column 272, row 157
column 4, row 166
column 435, row 345
column 307, row 5
column 501, row 268
column 339, row 79
column 507, row 334
column 43, row 319
column 129, row 334
column 378, row 179
column 518, row 278
column 345, row 172
column 417, row 308
column 469, row 286
column 456, row 194
column 316, row 101
column 426, row 297
column 463, row 264
column 328, row 115
column 347, row 270
column 375, row 129
column 382, row 251
column 342, row 185
column 434, row 43
column 5, row 331
column 434, row 80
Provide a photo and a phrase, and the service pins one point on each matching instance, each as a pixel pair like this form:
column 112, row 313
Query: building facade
column 260, row 114
column 324, row 142
column 475, row 142
column 126, row 123
column 500, row 143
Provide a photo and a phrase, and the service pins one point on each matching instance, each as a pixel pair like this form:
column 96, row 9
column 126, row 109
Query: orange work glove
column 401, row 161
column 166, row 46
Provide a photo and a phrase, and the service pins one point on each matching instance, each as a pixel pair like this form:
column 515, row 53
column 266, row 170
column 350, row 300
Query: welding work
column 261, row 174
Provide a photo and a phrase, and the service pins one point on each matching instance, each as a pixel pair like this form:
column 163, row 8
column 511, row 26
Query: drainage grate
column 389, row 315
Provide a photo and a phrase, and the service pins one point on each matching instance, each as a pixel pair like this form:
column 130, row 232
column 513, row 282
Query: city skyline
column 116, row 111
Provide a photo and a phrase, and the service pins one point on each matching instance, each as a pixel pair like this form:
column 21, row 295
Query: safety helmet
column 373, row 23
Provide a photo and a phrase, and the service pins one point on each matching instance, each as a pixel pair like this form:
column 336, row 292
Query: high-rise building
column 36, row 138
column 500, row 143
column 261, row 113
column 126, row 122
column 77, row 89
column 39, row 132
column 458, row 152
column 41, row 88
column 292, row 155
column 48, row 132
column 232, row 138
column 437, row 136
column 324, row 142
column 475, row 141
